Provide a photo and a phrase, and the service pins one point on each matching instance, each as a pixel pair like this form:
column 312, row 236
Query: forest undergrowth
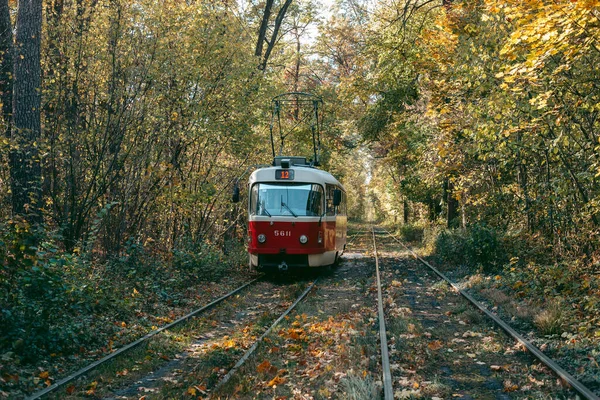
column 61, row 310
column 549, row 294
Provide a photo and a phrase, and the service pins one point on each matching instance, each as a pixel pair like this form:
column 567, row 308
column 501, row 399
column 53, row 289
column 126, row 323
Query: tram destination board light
column 284, row 174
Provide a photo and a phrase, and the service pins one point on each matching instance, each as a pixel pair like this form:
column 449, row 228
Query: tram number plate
column 284, row 174
column 283, row 233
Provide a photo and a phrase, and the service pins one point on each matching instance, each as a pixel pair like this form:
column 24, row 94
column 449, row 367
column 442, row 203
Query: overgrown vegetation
column 61, row 304
column 472, row 125
column 476, row 246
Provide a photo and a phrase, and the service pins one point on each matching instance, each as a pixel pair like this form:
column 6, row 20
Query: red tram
column 296, row 212
column 297, row 216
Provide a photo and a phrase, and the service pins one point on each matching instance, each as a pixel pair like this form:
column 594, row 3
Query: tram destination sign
column 284, row 174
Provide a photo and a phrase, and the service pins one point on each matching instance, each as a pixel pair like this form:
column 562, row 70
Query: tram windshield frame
column 289, row 199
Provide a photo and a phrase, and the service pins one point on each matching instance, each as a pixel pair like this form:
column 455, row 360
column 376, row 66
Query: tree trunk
column 271, row 43
column 452, row 213
column 262, row 33
column 25, row 160
column 6, row 65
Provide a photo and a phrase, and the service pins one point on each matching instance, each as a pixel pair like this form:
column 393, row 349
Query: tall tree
column 25, row 160
column 6, row 64
column 262, row 34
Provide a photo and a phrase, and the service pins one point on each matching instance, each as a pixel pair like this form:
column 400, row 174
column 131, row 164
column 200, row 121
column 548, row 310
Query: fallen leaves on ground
column 435, row 345
column 278, row 380
column 266, row 367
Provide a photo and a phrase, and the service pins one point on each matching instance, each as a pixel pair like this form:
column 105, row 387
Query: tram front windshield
column 278, row 199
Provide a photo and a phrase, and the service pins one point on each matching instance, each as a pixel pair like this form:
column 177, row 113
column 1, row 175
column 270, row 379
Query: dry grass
column 551, row 320
column 441, row 286
column 471, row 316
column 358, row 388
column 437, row 389
column 496, row 296
column 526, row 312
column 474, row 281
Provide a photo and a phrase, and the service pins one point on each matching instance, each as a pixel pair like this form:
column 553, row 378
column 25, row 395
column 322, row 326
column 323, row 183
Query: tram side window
column 331, row 209
column 254, row 205
column 329, row 197
column 313, row 202
column 342, row 207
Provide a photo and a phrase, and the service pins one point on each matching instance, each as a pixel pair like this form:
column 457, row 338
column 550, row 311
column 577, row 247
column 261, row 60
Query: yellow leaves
column 196, row 390
column 91, row 389
column 294, row 334
column 278, row 380
column 517, row 285
column 435, row 345
column 470, row 30
column 545, row 30
column 266, row 367
column 509, row 386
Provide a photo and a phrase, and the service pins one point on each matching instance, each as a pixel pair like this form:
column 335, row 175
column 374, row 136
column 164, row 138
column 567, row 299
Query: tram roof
column 302, row 173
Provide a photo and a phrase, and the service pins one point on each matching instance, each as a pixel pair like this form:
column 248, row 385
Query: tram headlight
column 303, row 239
column 262, row 238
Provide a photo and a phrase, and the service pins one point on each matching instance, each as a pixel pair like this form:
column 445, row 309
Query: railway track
column 388, row 390
column 436, row 345
column 142, row 383
column 379, row 323
column 83, row 371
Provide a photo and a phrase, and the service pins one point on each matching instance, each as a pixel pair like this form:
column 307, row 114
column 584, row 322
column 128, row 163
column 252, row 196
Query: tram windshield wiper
column 283, row 204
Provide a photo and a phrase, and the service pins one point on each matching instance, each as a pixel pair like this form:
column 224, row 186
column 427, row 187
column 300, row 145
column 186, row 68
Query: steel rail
column 352, row 237
column 258, row 341
column 388, row 391
column 558, row 370
column 136, row 343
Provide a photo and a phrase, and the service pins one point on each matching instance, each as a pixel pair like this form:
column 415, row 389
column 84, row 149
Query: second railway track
column 440, row 338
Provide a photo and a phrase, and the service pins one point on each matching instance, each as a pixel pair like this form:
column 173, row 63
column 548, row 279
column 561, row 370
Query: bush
column 205, row 261
column 451, row 247
column 430, row 236
column 43, row 294
column 411, row 233
column 483, row 247
column 478, row 246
